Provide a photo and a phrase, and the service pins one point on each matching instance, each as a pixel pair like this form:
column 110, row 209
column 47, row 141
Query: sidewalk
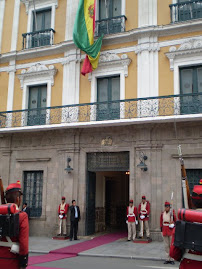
column 118, row 249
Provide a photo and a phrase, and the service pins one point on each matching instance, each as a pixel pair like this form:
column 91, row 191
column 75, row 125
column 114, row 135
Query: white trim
column 2, row 8
column 16, row 15
column 120, row 122
column 71, row 10
column 39, row 4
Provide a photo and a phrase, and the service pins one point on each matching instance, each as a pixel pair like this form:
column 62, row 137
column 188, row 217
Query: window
column 110, row 17
column 191, row 83
column 32, row 193
column 108, row 91
column 193, row 175
column 189, row 9
column 41, row 25
column 37, row 101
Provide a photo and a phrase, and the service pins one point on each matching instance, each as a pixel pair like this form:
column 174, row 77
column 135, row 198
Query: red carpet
column 73, row 250
column 48, row 258
column 96, row 242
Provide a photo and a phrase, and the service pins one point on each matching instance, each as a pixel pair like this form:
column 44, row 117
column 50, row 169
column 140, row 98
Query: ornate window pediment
column 193, row 47
column 38, row 71
column 29, row 3
column 112, row 61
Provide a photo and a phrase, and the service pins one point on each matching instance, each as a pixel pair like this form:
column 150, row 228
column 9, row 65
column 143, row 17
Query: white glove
column 61, row 216
column 172, row 225
column 126, row 222
column 142, row 217
column 136, row 222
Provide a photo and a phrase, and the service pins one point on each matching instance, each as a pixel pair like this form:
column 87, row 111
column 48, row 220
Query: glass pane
column 199, row 74
column 33, row 96
column 116, row 8
column 103, row 12
column 43, row 96
column 186, row 81
column 39, row 20
column 47, row 19
column 182, row 1
column 115, row 89
column 102, row 84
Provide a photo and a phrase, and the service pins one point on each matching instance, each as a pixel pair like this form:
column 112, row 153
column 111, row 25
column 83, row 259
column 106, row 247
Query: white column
column 72, row 6
column 11, row 82
column 147, row 12
column 2, row 8
column 71, row 85
column 15, row 25
column 148, row 75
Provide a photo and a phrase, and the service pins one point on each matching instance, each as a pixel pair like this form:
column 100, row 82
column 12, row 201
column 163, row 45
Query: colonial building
column 115, row 131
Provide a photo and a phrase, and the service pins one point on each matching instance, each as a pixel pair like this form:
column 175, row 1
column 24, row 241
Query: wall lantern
column 69, row 169
column 142, row 164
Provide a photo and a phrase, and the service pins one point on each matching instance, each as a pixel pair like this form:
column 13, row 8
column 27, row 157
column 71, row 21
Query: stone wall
column 48, row 151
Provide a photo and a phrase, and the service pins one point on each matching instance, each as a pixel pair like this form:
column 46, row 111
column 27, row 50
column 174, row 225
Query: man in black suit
column 74, row 219
column 26, row 209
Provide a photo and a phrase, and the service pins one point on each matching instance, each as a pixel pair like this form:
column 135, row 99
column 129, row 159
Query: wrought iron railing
column 184, row 11
column 110, row 25
column 38, row 38
column 103, row 111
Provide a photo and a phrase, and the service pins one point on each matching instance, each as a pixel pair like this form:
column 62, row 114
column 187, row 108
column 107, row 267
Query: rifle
column 185, row 184
column 171, row 207
column 2, row 192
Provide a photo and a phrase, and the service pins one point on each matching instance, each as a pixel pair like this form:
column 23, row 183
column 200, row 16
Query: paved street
column 108, row 263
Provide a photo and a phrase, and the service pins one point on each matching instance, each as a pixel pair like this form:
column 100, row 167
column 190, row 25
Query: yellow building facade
column 149, row 75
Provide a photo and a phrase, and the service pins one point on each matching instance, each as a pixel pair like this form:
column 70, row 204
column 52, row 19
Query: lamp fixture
column 69, row 169
column 142, row 164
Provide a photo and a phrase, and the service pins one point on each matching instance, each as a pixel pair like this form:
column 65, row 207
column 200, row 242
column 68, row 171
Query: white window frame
column 110, row 65
column 41, row 75
column 39, row 5
column 123, row 9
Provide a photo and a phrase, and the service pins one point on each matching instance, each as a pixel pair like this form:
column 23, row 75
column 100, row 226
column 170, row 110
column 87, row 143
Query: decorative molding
column 151, row 47
column 34, row 160
column 107, row 141
column 193, row 47
column 29, row 3
column 187, row 156
column 112, row 61
column 38, row 70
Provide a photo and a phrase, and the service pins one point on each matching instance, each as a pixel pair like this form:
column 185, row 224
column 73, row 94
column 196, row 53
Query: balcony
column 110, row 25
column 186, row 11
column 38, row 38
column 131, row 109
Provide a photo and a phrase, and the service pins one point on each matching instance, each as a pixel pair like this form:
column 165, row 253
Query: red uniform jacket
column 165, row 226
column 176, row 254
column 63, row 212
column 9, row 260
column 132, row 218
column 146, row 213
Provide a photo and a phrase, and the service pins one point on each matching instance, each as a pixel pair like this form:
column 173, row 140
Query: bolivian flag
column 83, row 35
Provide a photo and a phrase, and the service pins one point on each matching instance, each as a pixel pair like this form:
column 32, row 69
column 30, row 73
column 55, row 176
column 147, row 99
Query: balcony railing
column 38, row 38
column 186, row 11
column 104, row 111
column 110, row 25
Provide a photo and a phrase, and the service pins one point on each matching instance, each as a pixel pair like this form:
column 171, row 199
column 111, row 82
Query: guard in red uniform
column 167, row 223
column 131, row 220
column 143, row 212
column 189, row 259
column 62, row 213
column 8, row 259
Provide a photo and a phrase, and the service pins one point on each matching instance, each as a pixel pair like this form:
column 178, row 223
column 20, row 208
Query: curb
column 122, row 257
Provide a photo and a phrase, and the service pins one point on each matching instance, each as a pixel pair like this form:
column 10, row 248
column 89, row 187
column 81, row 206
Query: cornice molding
column 192, row 47
column 29, row 3
column 112, row 60
column 37, row 71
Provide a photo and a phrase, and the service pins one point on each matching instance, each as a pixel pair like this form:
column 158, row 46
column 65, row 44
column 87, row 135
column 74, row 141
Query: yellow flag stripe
column 88, row 14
